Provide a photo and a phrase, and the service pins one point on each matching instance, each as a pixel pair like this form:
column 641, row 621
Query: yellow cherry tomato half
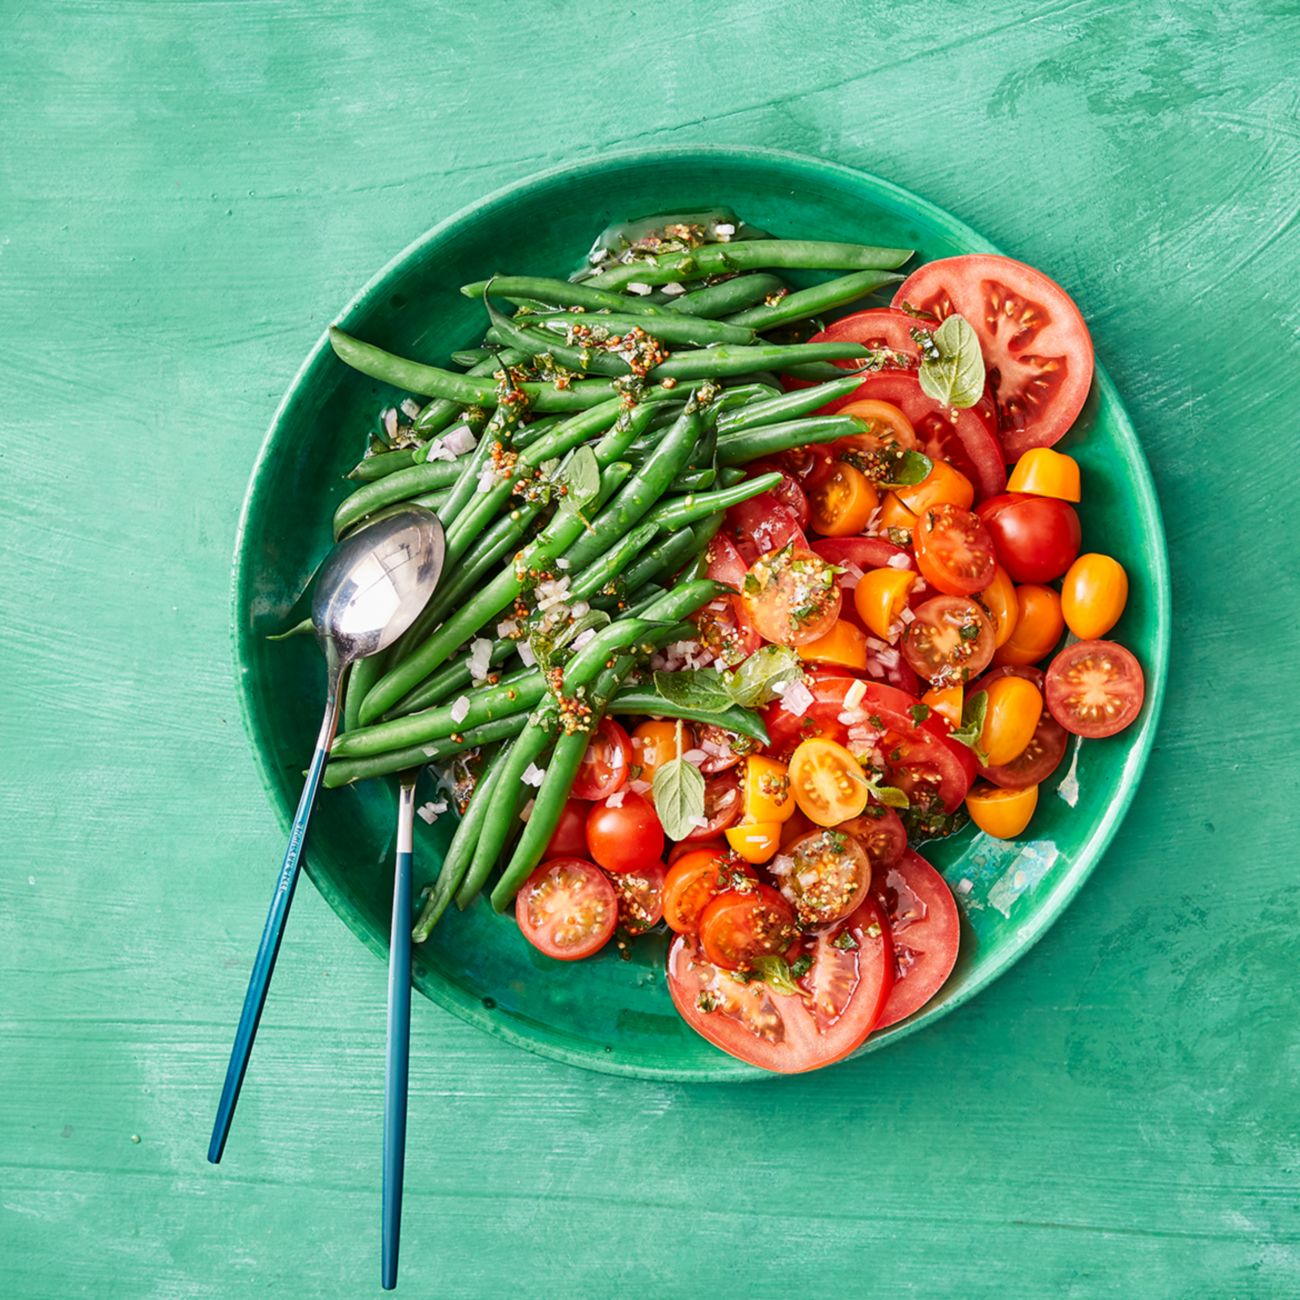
column 1043, row 472
column 755, row 841
column 842, row 499
column 886, row 425
column 942, row 486
column 999, row 598
column 1039, row 625
column 655, row 743
column 765, row 790
column 880, row 598
column 946, row 701
column 894, row 514
column 1010, row 719
column 1094, row 592
column 828, row 783
column 844, row 645
column 1004, row 814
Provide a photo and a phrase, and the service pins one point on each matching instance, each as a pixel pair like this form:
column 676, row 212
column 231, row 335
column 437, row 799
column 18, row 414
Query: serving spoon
column 369, row 591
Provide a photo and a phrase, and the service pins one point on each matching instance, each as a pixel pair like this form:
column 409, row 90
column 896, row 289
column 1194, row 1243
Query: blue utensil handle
column 399, row 1037
column 272, row 932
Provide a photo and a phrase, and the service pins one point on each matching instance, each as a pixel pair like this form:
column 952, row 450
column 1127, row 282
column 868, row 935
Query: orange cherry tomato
column 999, row 598
column 844, row 645
column 655, row 743
column 880, row 598
column 1038, row 626
column 828, row 783
column 691, row 882
column 954, row 550
column 942, row 486
column 894, row 514
column 1014, row 706
column 1001, row 813
column 1094, row 592
column 755, row 841
column 842, row 499
column 946, row 701
column 791, row 596
column 765, row 790
column 886, row 425
column 1043, row 472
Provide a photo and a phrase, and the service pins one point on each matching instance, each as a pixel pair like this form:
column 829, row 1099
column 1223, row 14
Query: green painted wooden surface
column 187, row 193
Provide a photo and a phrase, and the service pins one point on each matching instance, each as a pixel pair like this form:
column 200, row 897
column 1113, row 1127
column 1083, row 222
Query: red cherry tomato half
column 723, row 749
column 881, row 832
column 925, row 929
column 763, row 524
column 569, row 839
column 1095, row 688
column 787, row 492
column 840, row 997
column 604, row 767
column 1036, row 538
column 1043, row 755
column 725, row 562
column 722, row 806
column 950, row 640
column 624, row 835
column 567, row 909
column 640, row 897
column 724, row 627
column 866, row 553
column 954, row 550
column 740, row 925
column 1032, row 335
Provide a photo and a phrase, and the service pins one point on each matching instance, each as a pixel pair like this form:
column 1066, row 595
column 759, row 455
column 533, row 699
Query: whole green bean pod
column 733, row 295
column 427, row 500
column 804, row 303
column 786, row 406
column 770, row 439
column 677, row 512
column 399, row 486
column 443, row 412
column 667, row 327
column 558, row 293
column 382, row 463
column 496, row 439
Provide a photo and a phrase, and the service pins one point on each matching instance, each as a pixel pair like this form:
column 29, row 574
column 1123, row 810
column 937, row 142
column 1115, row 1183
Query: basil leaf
column 889, row 795
column 774, row 972
column 596, row 618
column 679, row 797
column 580, row 476
column 912, row 468
column 956, row 378
column 757, row 680
column 702, row 688
column 973, row 713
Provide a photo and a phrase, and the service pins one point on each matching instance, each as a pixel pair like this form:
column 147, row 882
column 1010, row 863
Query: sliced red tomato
column 1095, row 688
column 879, row 327
column 723, row 749
column 569, row 839
column 866, row 553
column 741, row 925
column 724, row 628
column 788, row 491
column 725, row 562
column 640, row 897
column 1043, row 755
column 954, row 550
column 604, row 767
column 763, row 524
column 722, row 806
column 839, row 998
column 926, row 933
column 1036, row 346
column 962, row 438
column 1036, row 538
column 567, row 909
column 623, row 833
column 881, row 832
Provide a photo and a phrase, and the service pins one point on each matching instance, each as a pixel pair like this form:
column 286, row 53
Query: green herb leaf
column 973, row 713
column 595, row 618
column 801, row 966
column 580, row 475
column 912, row 468
column 679, row 797
column 889, row 795
column 701, row 688
column 757, row 680
column 774, row 972
column 919, row 713
column 956, row 378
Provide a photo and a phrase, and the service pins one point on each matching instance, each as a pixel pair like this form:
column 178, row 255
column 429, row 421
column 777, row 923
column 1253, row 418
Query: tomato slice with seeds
column 762, row 524
column 694, row 879
column 722, row 805
column 825, row 874
column 879, row 327
column 640, row 897
column 791, row 597
column 926, row 933
column 1043, row 755
column 1095, row 688
column 951, row 639
column 567, row 909
column 838, row 1000
column 739, row 926
column 604, row 767
column 827, row 782
column 1036, row 346
column 954, row 550
column 723, row 749
column 881, row 833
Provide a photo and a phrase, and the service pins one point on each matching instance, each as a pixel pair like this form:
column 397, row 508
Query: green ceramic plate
column 611, row 1014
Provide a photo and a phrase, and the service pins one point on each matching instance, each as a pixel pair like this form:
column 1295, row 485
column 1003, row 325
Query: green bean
column 496, row 437
column 694, row 480
column 428, row 500
column 667, row 327
column 786, row 406
column 456, row 860
column 507, row 795
column 730, row 475
column 732, row 295
column 676, row 512
column 443, row 412
column 606, row 568
column 472, row 359
column 559, row 293
column 344, row 771
column 535, row 429
column 714, row 363
column 399, row 486
column 752, row 254
column 649, row 703
column 770, row 439
column 737, row 395
column 665, row 558
column 450, row 678
column 431, row 381
column 812, row 302
column 818, row 372
column 382, row 463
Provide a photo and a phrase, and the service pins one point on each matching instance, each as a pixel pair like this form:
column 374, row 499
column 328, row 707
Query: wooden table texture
column 188, row 193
